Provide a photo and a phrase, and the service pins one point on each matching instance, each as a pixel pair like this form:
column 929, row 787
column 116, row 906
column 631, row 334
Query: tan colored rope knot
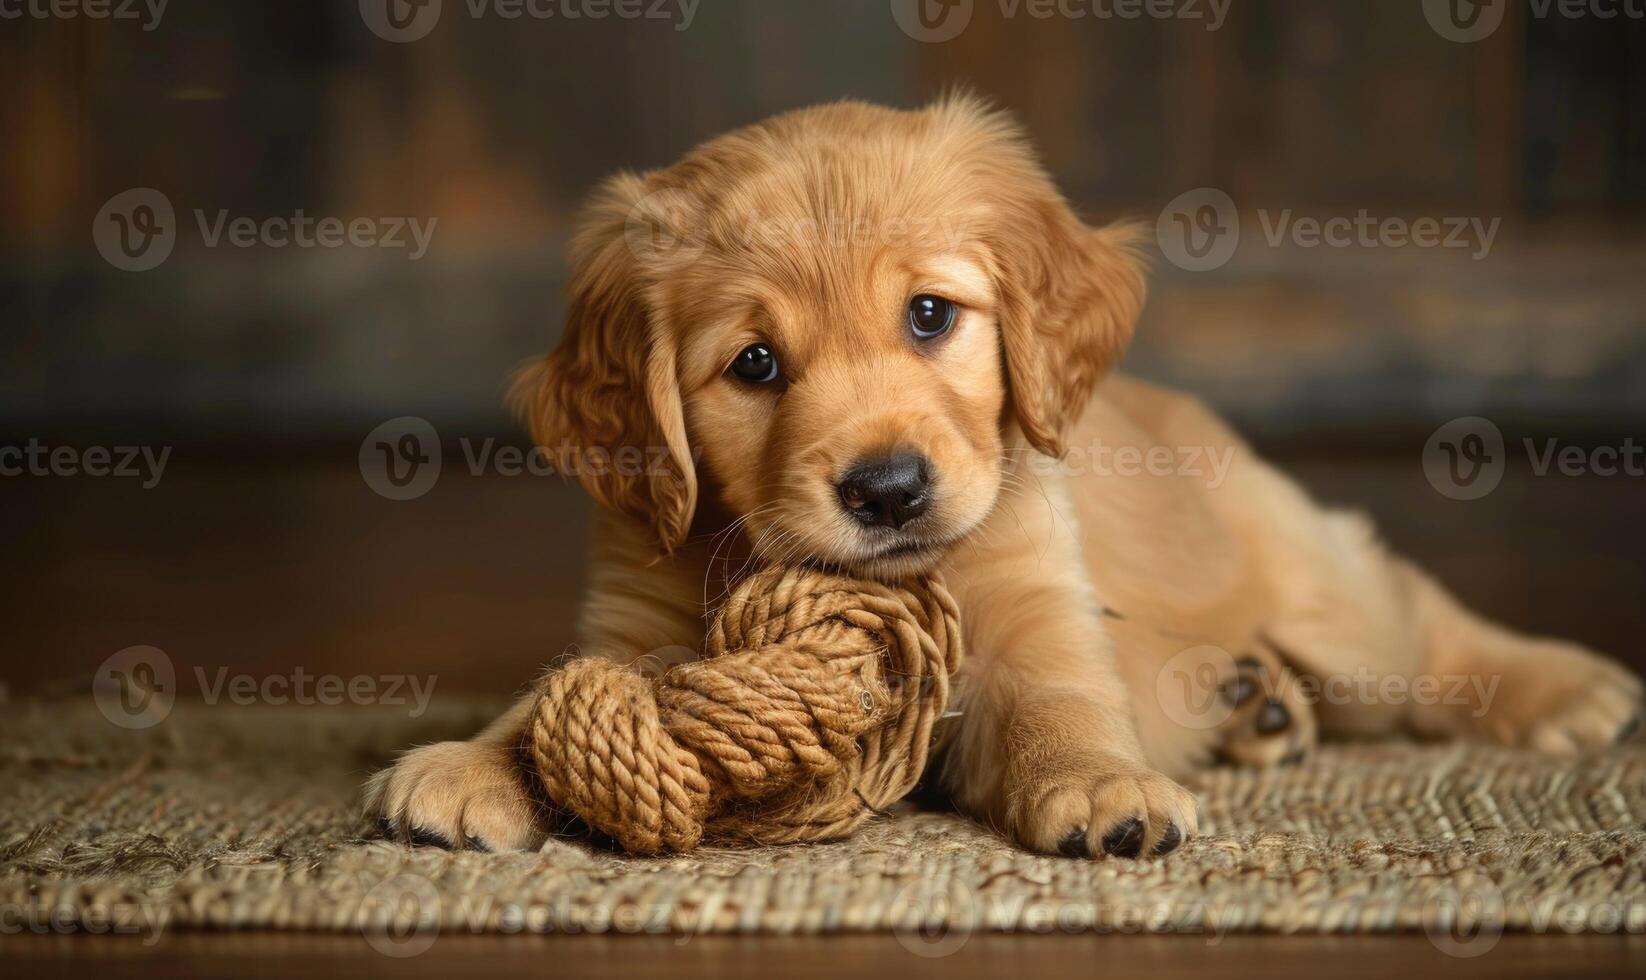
column 812, row 708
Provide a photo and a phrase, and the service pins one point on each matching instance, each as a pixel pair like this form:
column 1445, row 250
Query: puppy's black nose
column 887, row 492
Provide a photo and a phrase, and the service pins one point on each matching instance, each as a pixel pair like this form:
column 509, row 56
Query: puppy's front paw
column 1120, row 811
column 457, row 795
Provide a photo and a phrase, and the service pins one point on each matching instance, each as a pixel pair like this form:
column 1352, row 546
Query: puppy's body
column 1102, row 603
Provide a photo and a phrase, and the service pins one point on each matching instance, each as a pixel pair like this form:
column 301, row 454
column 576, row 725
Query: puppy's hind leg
column 1529, row 692
column 1390, row 649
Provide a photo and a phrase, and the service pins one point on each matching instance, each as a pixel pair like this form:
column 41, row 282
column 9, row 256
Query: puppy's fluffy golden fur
column 1081, row 590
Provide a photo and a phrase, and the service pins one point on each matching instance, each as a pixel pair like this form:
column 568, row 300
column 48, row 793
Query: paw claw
column 1168, row 841
column 1124, row 813
column 423, row 837
column 1125, row 839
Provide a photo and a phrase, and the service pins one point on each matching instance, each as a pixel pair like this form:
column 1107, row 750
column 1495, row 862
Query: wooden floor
column 789, row 958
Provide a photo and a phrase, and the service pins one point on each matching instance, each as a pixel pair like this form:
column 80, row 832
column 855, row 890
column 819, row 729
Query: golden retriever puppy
column 863, row 337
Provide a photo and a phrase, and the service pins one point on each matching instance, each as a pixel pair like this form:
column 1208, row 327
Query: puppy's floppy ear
column 606, row 402
column 1071, row 296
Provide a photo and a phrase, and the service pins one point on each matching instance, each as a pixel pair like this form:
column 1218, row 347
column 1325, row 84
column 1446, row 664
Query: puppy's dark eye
column 756, row 364
column 931, row 316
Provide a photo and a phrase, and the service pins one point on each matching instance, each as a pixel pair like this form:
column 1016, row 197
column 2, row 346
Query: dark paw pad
column 1239, row 690
column 1073, row 844
column 1125, row 839
column 1273, row 718
column 1169, row 840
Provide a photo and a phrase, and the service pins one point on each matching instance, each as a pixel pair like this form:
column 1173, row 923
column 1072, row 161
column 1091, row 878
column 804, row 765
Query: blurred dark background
column 264, row 368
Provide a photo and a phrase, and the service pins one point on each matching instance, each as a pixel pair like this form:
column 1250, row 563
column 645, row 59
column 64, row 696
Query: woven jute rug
column 238, row 817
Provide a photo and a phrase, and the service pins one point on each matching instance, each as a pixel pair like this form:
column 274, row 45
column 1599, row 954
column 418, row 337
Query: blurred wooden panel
column 499, row 128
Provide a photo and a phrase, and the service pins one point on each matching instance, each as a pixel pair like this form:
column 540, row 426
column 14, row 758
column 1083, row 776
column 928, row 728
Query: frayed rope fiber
column 813, row 708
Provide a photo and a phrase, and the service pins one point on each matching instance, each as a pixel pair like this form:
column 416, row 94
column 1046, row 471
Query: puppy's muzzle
column 888, row 492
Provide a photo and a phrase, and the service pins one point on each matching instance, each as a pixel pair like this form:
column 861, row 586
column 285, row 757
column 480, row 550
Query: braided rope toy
column 812, row 709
